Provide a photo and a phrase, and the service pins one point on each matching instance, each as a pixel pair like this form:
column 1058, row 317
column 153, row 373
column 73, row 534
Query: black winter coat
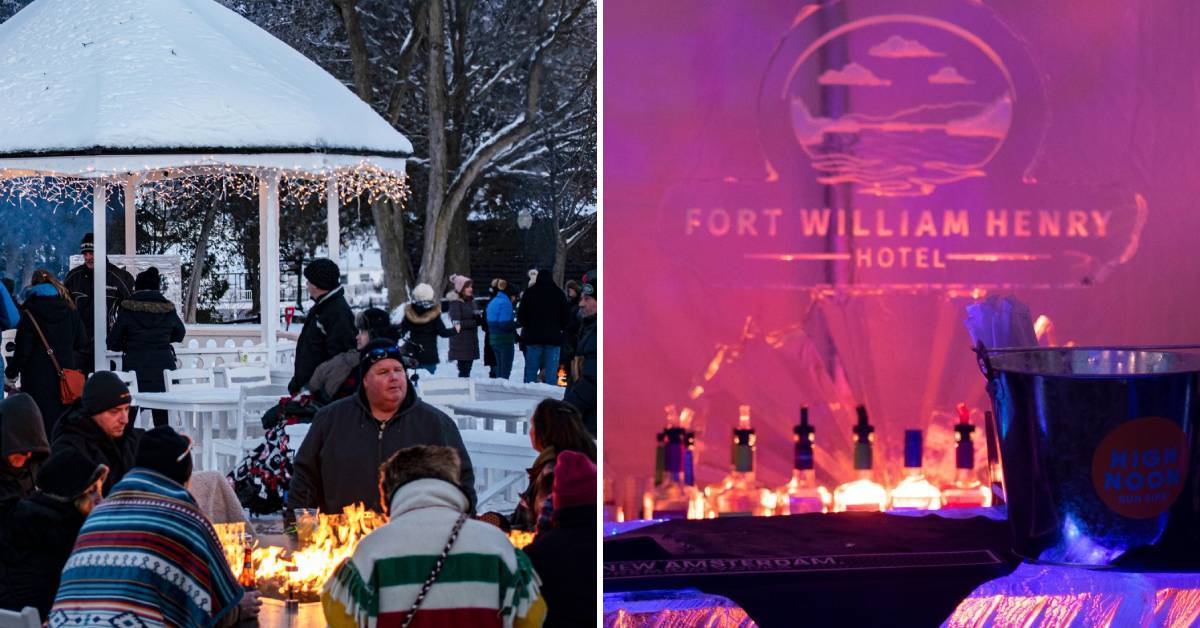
column 565, row 558
column 74, row 430
column 35, row 543
column 465, row 344
column 65, row 333
column 423, row 324
column 146, row 326
column 582, row 392
column 119, row 284
column 21, row 431
column 338, row 463
column 544, row 313
column 328, row 330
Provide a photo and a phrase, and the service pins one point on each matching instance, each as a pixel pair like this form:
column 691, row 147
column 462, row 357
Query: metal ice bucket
column 1099, row 452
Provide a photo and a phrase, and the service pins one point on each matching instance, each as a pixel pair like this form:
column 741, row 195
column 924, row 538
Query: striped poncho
column 485, row 582
column 146, row 556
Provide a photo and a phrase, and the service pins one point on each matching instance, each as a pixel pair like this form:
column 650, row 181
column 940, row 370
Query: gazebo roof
column 95, row 86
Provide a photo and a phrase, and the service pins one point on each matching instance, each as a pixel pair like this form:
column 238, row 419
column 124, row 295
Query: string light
column 174, row 185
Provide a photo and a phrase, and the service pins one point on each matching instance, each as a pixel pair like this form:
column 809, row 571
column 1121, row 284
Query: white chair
column 239, row 376
column 253, row 401
column 130, row 379
column 500, row 460
column 26, row 618
column 187, row 379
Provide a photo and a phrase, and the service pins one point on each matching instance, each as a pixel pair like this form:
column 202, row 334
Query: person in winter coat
column 47, row 306
column 543, row 315
column 571, row 333
column 482, row 579
column 9, row 317
column 146, row 326
column 23, row 447
column 489, row 355
column 100, row 427
column 582, row 391
column 41, row 530
column 329, row 326
column 565, row 554
column 464, row 345
column 148, row 556
column 501, row 328
column 421, row 320
column 118, row 284
column 338, row 463
column 554, row 428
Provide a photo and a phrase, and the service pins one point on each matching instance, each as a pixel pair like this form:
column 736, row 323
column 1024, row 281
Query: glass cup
column 307, row 521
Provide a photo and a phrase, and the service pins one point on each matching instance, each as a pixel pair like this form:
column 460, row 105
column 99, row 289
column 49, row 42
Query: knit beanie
column 591, row 283
column 103, row 391
column 460, row 282
column 147, row 280
column 67, row 474
column 499, row 286
column 163, row 450
column 323, row 273
column 85, row 245
column 423, row 292
column 574, row 480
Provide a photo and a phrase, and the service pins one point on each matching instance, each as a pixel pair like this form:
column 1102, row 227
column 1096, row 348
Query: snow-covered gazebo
column 124, row 92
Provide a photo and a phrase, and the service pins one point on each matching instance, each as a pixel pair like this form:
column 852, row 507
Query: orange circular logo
column 1140, row 467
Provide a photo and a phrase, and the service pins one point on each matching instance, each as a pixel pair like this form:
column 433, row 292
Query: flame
column 520, row 539
column 302, row 573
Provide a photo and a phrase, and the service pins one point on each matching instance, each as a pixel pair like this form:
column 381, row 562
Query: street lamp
column 525, row 221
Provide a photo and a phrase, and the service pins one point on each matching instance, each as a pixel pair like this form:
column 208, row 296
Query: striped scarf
column 146, row 556
column 484, row 582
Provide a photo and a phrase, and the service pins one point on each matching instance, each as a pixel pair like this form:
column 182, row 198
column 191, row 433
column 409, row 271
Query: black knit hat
column 103, row 391
column 323, row 273
column 164, row 450
column 147, row 280
column 85, row 245
column 67, row 474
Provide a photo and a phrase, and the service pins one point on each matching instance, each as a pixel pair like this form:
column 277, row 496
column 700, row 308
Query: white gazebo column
column 333, row 219
column 268, row 262
column 131, row 185
column 99, row 275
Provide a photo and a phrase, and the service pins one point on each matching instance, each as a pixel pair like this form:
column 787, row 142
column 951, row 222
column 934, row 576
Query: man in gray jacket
column 338, row 464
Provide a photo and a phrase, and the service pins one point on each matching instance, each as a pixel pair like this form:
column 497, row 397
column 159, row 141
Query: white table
column 515, row 413
column 202, row 402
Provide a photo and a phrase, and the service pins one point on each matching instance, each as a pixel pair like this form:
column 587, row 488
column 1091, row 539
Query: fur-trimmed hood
column 418, row 312
column 148, row 301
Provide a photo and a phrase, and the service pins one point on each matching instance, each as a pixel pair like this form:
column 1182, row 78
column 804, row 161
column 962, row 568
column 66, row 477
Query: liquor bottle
column 740, row 494
column 966, row 491
column 672, row 498
column 246, row 578
column 610, row 502
column 660, row 446
column 862, row 493
column 802, row 494
column 689, row 455
column 914, row 492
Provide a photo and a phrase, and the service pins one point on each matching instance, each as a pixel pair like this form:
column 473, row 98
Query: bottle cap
column 912, row 449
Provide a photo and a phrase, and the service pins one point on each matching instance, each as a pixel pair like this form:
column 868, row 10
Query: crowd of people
column 97, row 526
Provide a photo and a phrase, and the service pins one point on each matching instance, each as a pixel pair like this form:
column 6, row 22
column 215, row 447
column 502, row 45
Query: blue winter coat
column 501, row 325
column 9, row 317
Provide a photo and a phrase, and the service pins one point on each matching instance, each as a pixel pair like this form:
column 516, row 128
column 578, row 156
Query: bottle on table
column 246, row 578
column 966, row 491
column 915, row 492
column 740, row 494
column 802, row 494
column 863, row 493
column 671, row 498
